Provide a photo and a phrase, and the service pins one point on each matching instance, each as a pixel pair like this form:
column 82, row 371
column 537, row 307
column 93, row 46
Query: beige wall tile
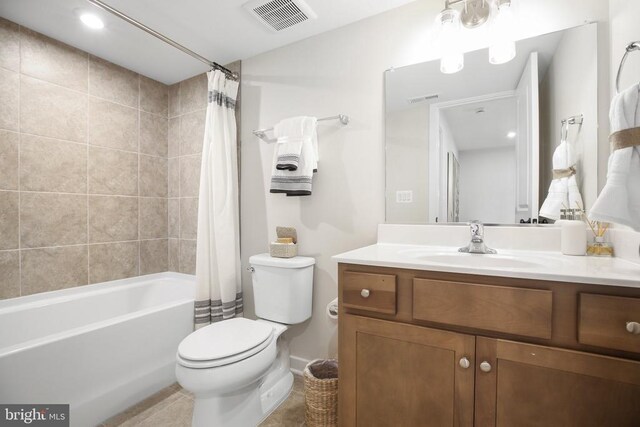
column 53, row 268
column 113, row 261
column 174, row 255
column 9, row 100
column 49, row 219
column 9, row 219
column 10, row 45
column 189, row 176
column 53, row 61
column 174, row 137
column 9, row 272
column 54, row 111
column 153, row 134
column 188, row 256
column 154, row 256
column 153, row 176
column 112, row 219
column 174, row 100
column 113, row 125
column 174, row 217
column 52, row 165
column 153, row 211
column 112, row 172
column 154, row 96
column 109, row 81
column 188, row 218
column 192, row 132
column 193, row 94
column 9, row 143
column 174, row 177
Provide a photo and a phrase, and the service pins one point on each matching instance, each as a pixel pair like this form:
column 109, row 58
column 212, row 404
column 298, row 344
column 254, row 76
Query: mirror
column 479, row 144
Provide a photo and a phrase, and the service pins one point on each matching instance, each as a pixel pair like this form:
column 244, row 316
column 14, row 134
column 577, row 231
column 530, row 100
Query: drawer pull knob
column 485, row 366
column 464, row 363
column 365, row 293
column 633, row 328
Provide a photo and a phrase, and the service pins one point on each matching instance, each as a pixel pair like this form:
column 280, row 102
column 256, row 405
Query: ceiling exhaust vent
column 278, row 15
column 422, row 98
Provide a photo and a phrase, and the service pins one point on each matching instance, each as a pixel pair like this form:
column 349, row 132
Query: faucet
column 477, row 246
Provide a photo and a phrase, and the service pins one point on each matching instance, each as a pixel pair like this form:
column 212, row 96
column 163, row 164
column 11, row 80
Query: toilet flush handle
column 251, row 269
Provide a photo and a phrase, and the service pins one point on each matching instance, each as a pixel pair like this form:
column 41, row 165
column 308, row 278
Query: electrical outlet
column 405, row 196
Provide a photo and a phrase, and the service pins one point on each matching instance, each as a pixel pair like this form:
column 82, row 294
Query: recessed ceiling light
column 511, row 135
column 92, row 21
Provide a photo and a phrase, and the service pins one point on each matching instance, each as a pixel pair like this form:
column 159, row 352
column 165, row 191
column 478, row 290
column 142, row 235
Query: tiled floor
column 173, row 407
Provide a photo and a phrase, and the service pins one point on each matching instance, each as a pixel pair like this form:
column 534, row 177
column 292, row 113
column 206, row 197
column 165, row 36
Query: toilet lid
column 224, row 339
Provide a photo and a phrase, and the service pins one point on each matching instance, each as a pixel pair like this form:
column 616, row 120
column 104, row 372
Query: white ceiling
column 475, row 131
column 478, row 77
column 220, row 30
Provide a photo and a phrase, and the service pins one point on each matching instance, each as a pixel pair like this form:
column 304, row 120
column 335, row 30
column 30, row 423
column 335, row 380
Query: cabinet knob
column 633, row 328
column 365, row 293
column 485, row 366
column 464, row 363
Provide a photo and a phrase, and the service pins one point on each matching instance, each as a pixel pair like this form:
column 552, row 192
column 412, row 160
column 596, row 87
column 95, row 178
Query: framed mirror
column 479, row 144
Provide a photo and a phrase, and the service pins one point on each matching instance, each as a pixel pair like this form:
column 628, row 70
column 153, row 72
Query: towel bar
column 262, row 133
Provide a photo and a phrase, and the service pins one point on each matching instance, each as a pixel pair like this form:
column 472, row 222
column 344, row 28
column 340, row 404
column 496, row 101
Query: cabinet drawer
column 518, row 311
column 603, row 322
column 368, row 291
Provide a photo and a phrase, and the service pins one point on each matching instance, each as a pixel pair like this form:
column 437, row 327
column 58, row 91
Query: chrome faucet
column 477, row 246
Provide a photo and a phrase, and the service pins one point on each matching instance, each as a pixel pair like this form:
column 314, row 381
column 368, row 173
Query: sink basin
column 475, row 260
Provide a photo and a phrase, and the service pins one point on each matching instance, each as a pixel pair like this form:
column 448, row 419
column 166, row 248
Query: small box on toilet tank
column 282, row 288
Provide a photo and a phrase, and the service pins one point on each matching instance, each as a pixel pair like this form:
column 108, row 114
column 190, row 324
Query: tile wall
column 83, row 167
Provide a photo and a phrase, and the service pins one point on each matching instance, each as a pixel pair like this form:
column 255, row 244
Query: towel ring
column 631, row 47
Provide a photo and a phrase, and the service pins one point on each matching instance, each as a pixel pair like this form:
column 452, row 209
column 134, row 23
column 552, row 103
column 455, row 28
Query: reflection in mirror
column 479, row 144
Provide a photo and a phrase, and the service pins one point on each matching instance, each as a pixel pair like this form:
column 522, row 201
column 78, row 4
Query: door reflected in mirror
column 478, row 144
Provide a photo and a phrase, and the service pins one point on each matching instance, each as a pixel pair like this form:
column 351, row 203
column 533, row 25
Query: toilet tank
column 282, row 288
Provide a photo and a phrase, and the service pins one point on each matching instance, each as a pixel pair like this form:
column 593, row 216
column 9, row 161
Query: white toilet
column 238, row 369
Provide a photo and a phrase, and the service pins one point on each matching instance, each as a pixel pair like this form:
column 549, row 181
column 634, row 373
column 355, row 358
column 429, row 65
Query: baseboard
column 297, row 364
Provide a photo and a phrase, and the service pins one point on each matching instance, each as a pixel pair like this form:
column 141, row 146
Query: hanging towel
column 619, row 201
column 298, row 181
column 291, row 135
column 563, row 191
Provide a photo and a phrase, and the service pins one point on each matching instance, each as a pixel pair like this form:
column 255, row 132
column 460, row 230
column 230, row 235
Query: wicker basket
column 321, row 393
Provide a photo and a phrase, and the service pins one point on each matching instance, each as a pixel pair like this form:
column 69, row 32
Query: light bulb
column 452, row 58
column 503, row 46
column 92, row 21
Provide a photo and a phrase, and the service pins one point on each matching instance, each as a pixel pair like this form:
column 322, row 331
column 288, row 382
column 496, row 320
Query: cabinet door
column 394, row 374
column 529, row 385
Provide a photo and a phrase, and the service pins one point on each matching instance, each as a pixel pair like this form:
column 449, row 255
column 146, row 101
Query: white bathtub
column 101, row 348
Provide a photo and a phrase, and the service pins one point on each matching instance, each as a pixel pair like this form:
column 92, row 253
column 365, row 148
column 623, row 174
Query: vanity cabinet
column 421, row 348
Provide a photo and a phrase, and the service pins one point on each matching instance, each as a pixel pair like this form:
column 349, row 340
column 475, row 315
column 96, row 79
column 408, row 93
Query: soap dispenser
column 573, row 233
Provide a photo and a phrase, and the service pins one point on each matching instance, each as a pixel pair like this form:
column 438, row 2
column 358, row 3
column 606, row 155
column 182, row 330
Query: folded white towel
column 291, row 134
column 563, row 191
column 293, row 174
column 619, row 201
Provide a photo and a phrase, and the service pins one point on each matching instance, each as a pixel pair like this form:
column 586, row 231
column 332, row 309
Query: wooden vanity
column 426, row 348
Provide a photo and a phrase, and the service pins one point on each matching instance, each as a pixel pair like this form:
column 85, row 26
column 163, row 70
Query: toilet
column 238, row 369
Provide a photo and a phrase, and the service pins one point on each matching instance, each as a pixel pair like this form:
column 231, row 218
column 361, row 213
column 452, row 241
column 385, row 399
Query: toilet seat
column 224, row 343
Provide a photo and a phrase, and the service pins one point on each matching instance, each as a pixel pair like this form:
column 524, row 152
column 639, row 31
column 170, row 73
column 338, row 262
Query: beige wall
column 342, row 72
column 187, row 108
column 83, row 167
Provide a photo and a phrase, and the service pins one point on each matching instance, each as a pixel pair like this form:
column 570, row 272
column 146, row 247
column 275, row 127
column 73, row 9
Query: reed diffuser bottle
column 599, row 247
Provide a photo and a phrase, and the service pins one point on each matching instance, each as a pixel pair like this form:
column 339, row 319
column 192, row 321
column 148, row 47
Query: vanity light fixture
column 92, row 21
column 498, row 14
column 511, row 135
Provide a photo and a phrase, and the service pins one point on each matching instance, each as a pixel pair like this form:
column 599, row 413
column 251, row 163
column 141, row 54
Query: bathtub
column 100, row 348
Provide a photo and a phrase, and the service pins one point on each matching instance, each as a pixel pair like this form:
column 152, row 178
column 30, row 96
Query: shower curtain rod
column 164, row 38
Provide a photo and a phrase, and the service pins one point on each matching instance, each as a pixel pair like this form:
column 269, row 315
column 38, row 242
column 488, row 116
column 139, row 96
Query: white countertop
column 541, row 265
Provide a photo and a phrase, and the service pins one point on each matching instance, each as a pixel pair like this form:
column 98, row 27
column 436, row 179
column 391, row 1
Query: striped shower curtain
column 218, row 287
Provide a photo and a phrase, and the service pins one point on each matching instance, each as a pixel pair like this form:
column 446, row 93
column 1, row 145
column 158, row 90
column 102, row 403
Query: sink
column 475, row 260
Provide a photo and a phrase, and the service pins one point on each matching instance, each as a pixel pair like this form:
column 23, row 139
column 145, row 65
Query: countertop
column 541, row 265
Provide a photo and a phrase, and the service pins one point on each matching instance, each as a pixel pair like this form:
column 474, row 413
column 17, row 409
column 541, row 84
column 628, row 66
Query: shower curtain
column 218, row 287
